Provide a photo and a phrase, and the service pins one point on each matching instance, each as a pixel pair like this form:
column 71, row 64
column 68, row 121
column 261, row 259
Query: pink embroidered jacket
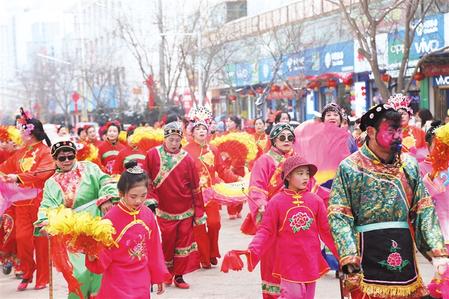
column 138, row 261
column 293, row 224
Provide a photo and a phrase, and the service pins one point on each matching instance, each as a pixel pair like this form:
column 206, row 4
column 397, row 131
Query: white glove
column 440, row 264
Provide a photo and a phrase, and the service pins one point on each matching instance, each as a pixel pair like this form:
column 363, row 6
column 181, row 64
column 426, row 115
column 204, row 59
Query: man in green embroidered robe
column 379, row 210
column 82, row 186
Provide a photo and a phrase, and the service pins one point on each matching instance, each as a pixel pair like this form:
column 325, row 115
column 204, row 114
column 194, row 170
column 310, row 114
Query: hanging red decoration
column 259, row 90
column 418, row 76
column 386, row 77
column 233, row 98
column 275, row 88
column 347, row 81
column 332, row 83
column 251, row 93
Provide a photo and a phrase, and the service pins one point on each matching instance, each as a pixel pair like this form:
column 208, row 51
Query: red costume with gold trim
column 176, row 189
column 211, row 169
column 33, row 165
column 130, row 269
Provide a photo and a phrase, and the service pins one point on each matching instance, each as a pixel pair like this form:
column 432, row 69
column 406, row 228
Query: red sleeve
column 100, row 264
column 151, row 166
column 118, row 164
column 10, row 165
column 40, row 173
column 156, row 262
column 198, row 202
column 266, row 234
column 420, row 136
column 224, row 171
column 258, row 186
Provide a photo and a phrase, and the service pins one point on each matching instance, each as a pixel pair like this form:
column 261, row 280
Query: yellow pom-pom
column 442, row 133
column 73, row 226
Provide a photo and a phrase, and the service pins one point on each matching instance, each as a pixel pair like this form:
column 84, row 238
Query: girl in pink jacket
column 294, row 222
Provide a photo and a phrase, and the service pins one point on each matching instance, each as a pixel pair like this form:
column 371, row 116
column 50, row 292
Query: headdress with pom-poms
column 400, row 101
column 200, row 115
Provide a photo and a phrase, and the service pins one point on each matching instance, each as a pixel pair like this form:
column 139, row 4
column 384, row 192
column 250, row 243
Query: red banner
column 431, row 70
column 151, row 96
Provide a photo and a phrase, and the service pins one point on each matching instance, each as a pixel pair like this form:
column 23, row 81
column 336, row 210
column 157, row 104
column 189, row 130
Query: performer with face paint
column 379, row 210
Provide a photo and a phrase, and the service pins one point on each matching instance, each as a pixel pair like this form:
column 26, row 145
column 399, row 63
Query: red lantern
column 233, row 98
column 419, row 76
column 251, row 93
column 259, row 90
column 75, row 98
column 386, row 77
column 275, row 88
column 347, row 81
column 332, row 83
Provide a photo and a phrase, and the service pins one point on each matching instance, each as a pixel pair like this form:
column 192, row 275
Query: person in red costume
column 109, row 149
column 30, row 166
column 260, row 136
column 137, row 262
column 92, row 135
column 130, row 152
column 412, row 137
column 9, row 143
column 175, row 188
column 211, row 170
column 234, row 124
column 264, row 183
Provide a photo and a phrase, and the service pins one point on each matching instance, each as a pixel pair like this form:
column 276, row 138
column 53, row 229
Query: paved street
column 204, row 283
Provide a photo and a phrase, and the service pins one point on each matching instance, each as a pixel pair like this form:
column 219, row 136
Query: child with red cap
column 294, row 222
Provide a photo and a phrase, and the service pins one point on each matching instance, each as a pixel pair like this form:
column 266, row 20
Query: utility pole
column 161, row 52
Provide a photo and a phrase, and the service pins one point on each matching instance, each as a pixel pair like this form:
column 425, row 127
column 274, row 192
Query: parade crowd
column 359, row 198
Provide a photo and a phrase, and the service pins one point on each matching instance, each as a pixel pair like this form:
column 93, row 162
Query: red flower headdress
column 400, row 101
column 23, row 121
column 200, row 115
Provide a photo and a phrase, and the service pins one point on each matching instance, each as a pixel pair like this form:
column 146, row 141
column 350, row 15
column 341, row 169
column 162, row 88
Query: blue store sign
column 441, row 81
column 265, row 69
column 429, row 36
column 337, row 58
column 243, row 74
column 293, row 64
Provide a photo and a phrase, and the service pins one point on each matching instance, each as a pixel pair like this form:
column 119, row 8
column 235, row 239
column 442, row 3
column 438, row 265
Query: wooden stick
column 50, row 286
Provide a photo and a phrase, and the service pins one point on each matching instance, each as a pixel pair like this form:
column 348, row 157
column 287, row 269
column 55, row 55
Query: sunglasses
column 289, row 137
column 63, row 158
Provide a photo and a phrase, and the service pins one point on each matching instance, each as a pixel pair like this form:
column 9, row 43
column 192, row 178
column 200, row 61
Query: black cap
column 370, row 118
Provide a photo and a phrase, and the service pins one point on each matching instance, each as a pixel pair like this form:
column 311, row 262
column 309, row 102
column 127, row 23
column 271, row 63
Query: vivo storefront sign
column 429, row 36
column 441, row 81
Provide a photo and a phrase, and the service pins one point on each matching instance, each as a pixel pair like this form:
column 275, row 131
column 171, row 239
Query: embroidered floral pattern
column 394, row 260
column 69, row 183
column 208, row 158
column 138, row 249
column 27, row 163
column 300, row 221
